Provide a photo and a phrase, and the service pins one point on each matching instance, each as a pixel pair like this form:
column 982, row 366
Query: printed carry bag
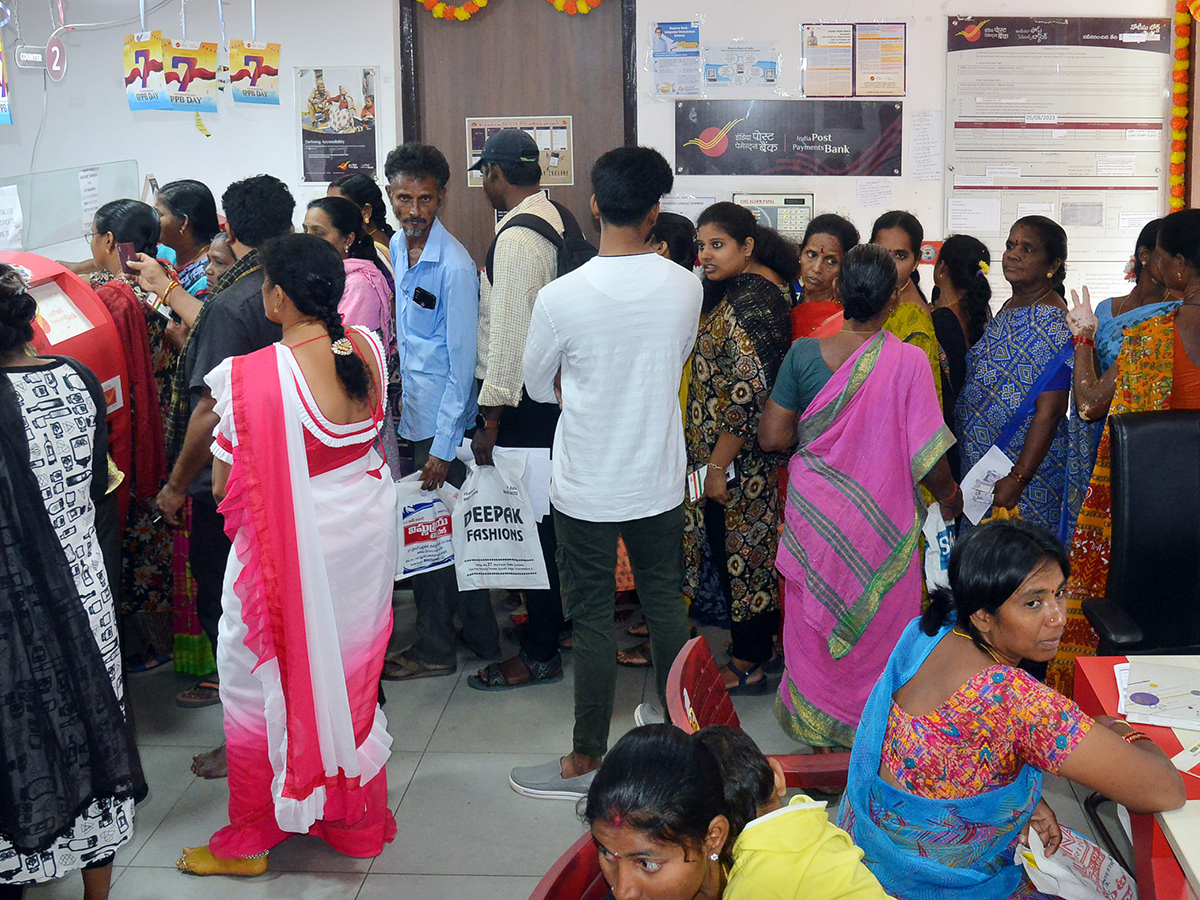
column 1080, row 870
column 495, row 534
column 423, row 523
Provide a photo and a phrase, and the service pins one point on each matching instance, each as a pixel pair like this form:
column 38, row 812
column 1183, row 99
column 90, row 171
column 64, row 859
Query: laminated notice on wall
column 5, row 109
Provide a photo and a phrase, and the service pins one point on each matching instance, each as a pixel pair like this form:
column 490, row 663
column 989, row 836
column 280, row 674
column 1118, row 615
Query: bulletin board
column 932, row 85
column 1064, row 118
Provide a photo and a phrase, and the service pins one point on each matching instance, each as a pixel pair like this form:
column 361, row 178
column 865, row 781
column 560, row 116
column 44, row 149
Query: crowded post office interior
column 585, row 449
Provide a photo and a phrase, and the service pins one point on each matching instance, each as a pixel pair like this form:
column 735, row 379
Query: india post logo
column 714, row 141
column 973, row 32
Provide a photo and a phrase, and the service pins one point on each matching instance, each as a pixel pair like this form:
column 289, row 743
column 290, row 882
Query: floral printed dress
column 738, row 352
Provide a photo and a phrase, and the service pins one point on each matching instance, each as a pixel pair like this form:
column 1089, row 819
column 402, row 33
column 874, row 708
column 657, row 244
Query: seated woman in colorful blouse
column 954, row 739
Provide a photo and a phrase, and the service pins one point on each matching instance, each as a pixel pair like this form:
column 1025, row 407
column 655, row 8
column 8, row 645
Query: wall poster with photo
column 336, row 113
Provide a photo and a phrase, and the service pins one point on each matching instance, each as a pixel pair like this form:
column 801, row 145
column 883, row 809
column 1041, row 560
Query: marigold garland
column 570, row 7
column 1180, row 80
column 442, row 10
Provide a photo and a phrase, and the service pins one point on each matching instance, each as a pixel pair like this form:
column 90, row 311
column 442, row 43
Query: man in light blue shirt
column 437, row 320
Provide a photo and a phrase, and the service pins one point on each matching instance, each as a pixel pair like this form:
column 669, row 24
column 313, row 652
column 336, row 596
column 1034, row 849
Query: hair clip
column 984, row 268
column 342, row 347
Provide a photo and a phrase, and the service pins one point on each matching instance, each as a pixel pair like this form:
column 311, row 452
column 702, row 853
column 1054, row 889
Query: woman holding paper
column 869, row 428
column 945, row 777
column 733, row 524
column 311, row 515
column 1154, row 370
column 1018, row 385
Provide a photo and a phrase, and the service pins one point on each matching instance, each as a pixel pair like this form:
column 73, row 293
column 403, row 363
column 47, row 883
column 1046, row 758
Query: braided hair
column 17, row 310
column 966, row 260
column 311, row 273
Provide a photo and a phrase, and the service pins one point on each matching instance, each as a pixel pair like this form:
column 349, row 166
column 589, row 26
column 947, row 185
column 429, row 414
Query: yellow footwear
column 200, row 861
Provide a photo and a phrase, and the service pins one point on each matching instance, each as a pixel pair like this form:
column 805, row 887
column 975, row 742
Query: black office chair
column 1152, row 601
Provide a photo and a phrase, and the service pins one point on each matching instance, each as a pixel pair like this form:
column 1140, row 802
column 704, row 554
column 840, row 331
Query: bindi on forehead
column 825, row 247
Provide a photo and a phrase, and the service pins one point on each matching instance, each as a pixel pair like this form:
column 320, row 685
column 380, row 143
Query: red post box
column 72, row 321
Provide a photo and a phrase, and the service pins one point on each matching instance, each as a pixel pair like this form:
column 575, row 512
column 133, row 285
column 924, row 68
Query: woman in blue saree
column 945, row 775
column 1018, row 386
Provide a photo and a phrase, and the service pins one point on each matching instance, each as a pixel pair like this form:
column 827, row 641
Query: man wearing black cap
column 522, row 263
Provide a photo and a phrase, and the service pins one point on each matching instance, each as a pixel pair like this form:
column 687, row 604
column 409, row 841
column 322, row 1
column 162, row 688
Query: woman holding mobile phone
column 147, row 579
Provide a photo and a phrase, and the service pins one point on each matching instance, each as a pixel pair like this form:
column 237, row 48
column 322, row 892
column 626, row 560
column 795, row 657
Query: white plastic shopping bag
column 939, row 538
column 423, row 523
column 495, row 533
column 1080, row 870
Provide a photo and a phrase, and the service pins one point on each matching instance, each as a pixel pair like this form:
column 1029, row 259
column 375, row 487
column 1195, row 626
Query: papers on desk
column 1158, row 694
column 1182, row 830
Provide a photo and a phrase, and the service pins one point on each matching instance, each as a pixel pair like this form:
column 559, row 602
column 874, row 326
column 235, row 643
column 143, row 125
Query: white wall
column 780, row 20
column 88, row 121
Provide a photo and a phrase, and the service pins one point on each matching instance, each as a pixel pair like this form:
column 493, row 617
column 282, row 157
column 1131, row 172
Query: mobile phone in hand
column 126, row 253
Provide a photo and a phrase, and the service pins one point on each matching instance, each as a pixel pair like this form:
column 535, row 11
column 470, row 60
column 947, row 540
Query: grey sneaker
column 545, row 782
column 647, row 714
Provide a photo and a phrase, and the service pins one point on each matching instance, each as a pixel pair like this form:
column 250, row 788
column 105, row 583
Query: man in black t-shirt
column 232, row 322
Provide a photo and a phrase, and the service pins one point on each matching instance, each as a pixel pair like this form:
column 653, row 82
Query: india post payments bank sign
column 788, row 137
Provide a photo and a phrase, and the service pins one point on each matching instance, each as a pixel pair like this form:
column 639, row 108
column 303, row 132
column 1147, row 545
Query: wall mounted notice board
column 1067, row 118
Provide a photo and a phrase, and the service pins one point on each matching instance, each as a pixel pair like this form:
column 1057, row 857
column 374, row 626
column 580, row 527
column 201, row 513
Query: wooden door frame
column 410, row 96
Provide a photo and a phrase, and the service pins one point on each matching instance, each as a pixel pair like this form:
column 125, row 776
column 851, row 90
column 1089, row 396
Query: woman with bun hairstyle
column 862, row 405
column 946, row 773
column 733, row 527
column 307, row 608
column 961, row 310
column 818, row 309
column 69, row 770
column 146, row 590
column 776, row 259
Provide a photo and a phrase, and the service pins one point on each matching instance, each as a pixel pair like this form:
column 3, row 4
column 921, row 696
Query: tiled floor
column 463, row 833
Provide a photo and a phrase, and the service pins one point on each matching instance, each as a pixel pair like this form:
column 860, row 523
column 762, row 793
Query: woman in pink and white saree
column 307, row 611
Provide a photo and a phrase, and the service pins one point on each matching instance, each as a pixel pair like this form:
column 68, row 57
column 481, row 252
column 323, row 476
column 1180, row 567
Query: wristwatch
column 485, row 424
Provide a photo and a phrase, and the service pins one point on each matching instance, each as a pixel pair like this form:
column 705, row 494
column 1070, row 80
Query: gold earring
column 1049, row 274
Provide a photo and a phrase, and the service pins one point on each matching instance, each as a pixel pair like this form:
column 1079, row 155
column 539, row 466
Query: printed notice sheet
column 828, row 60
column 675, row 59
column 879, row 60
column 1063, row 118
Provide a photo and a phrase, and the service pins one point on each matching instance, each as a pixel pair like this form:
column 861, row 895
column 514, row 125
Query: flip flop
column 206, row 692
column 148, row 664
column 745, row 686
column 635, row 657
column 405, row 668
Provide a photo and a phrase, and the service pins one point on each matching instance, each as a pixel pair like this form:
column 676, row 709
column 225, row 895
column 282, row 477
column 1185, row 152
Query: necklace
column 300, row 325
column 986, row 648
column 847, row 330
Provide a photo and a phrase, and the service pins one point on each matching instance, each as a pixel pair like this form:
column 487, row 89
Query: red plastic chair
column 575, row 876
column 697, row 698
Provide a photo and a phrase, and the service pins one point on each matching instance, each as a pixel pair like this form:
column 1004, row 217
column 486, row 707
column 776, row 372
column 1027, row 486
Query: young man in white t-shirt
column 619, row 328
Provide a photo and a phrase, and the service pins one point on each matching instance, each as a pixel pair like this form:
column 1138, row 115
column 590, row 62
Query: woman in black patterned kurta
column 742, row 341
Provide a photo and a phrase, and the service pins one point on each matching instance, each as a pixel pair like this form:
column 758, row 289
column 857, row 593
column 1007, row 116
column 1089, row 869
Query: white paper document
column 1159, row 694
column 12, row 220
column 978, row 483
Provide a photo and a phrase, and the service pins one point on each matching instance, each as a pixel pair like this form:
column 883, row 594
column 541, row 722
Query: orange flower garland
column 570, row 7
column 443, row 10
column 1180, row 78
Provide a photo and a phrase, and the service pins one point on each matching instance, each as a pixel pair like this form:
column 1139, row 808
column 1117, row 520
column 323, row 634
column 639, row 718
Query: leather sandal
column 744, row 685
column 492, row 678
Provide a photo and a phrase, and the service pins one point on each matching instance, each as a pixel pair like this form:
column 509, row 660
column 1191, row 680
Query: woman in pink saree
column 307, row 605
column 870, row 430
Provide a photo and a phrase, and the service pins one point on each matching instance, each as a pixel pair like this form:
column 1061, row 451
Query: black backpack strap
column 536, row 224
